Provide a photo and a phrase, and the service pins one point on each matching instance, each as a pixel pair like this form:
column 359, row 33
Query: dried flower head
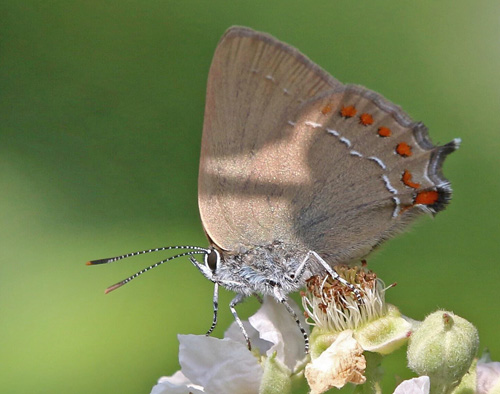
column 341, row 319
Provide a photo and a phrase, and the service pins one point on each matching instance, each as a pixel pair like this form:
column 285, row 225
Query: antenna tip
column 101, row 261
column 114, row 287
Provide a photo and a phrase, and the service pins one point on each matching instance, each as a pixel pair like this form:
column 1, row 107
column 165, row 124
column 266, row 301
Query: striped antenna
column 124, row 256
column 125, row 281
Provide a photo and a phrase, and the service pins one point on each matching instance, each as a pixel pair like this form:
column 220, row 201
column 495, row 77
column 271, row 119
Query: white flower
column 176, row 384
column 211, row 365
column 272, row 329
column 420, row 385
column 488, row 376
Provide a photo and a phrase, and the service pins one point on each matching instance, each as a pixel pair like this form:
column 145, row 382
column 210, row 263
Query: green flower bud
column 468, row 384
column 443, row 348
column 276, row 378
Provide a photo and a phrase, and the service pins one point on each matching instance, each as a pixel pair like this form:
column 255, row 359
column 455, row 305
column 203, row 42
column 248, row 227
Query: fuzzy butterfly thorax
column 260, row 269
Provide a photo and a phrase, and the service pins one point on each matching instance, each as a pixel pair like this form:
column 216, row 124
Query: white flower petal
column 420, row 385
column 176, row 384
column 277, row 326
column 488, row 376
column 219, row 365
column 343, row 362
column 234, row 333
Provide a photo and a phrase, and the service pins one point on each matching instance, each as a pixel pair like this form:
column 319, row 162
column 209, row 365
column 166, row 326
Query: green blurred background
column 101, row 106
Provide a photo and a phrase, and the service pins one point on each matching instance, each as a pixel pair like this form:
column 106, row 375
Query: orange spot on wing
column 326, row 109
column 407, row 180
column 403, row 149
column 366, row 119
column 348, row 112
column 384, row 131
column 427, row 198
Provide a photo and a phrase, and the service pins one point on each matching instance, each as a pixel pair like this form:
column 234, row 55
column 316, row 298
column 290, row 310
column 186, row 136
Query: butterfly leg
column 235, row 301
column 281, row 298
column 216, row 308
column 302, row 268
column 259, row 298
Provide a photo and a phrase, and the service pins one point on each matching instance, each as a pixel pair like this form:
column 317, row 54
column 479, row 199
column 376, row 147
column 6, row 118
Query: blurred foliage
column 101, row 106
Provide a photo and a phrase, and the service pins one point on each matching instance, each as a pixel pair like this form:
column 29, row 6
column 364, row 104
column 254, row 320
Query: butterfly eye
column 212, row 258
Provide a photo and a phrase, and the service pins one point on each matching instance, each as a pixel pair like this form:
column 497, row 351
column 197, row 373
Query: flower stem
column 373, row 375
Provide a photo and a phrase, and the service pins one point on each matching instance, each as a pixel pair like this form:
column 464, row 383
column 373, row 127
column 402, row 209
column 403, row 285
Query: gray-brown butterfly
column 299, row 172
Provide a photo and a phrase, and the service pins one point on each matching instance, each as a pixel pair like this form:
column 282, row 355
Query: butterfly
column 299, row 172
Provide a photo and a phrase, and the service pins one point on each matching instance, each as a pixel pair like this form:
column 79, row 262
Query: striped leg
column 216, row 308
column 281, row 298
column 259, row 298
column 235, row 301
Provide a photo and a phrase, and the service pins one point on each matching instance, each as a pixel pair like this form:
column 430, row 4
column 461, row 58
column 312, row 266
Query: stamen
column 334, row 307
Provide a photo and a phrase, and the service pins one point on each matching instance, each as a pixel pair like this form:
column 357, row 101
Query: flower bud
column 276, row 378
column 443, row 348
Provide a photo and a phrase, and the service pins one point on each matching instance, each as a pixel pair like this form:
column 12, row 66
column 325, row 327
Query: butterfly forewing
column 248, row 169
